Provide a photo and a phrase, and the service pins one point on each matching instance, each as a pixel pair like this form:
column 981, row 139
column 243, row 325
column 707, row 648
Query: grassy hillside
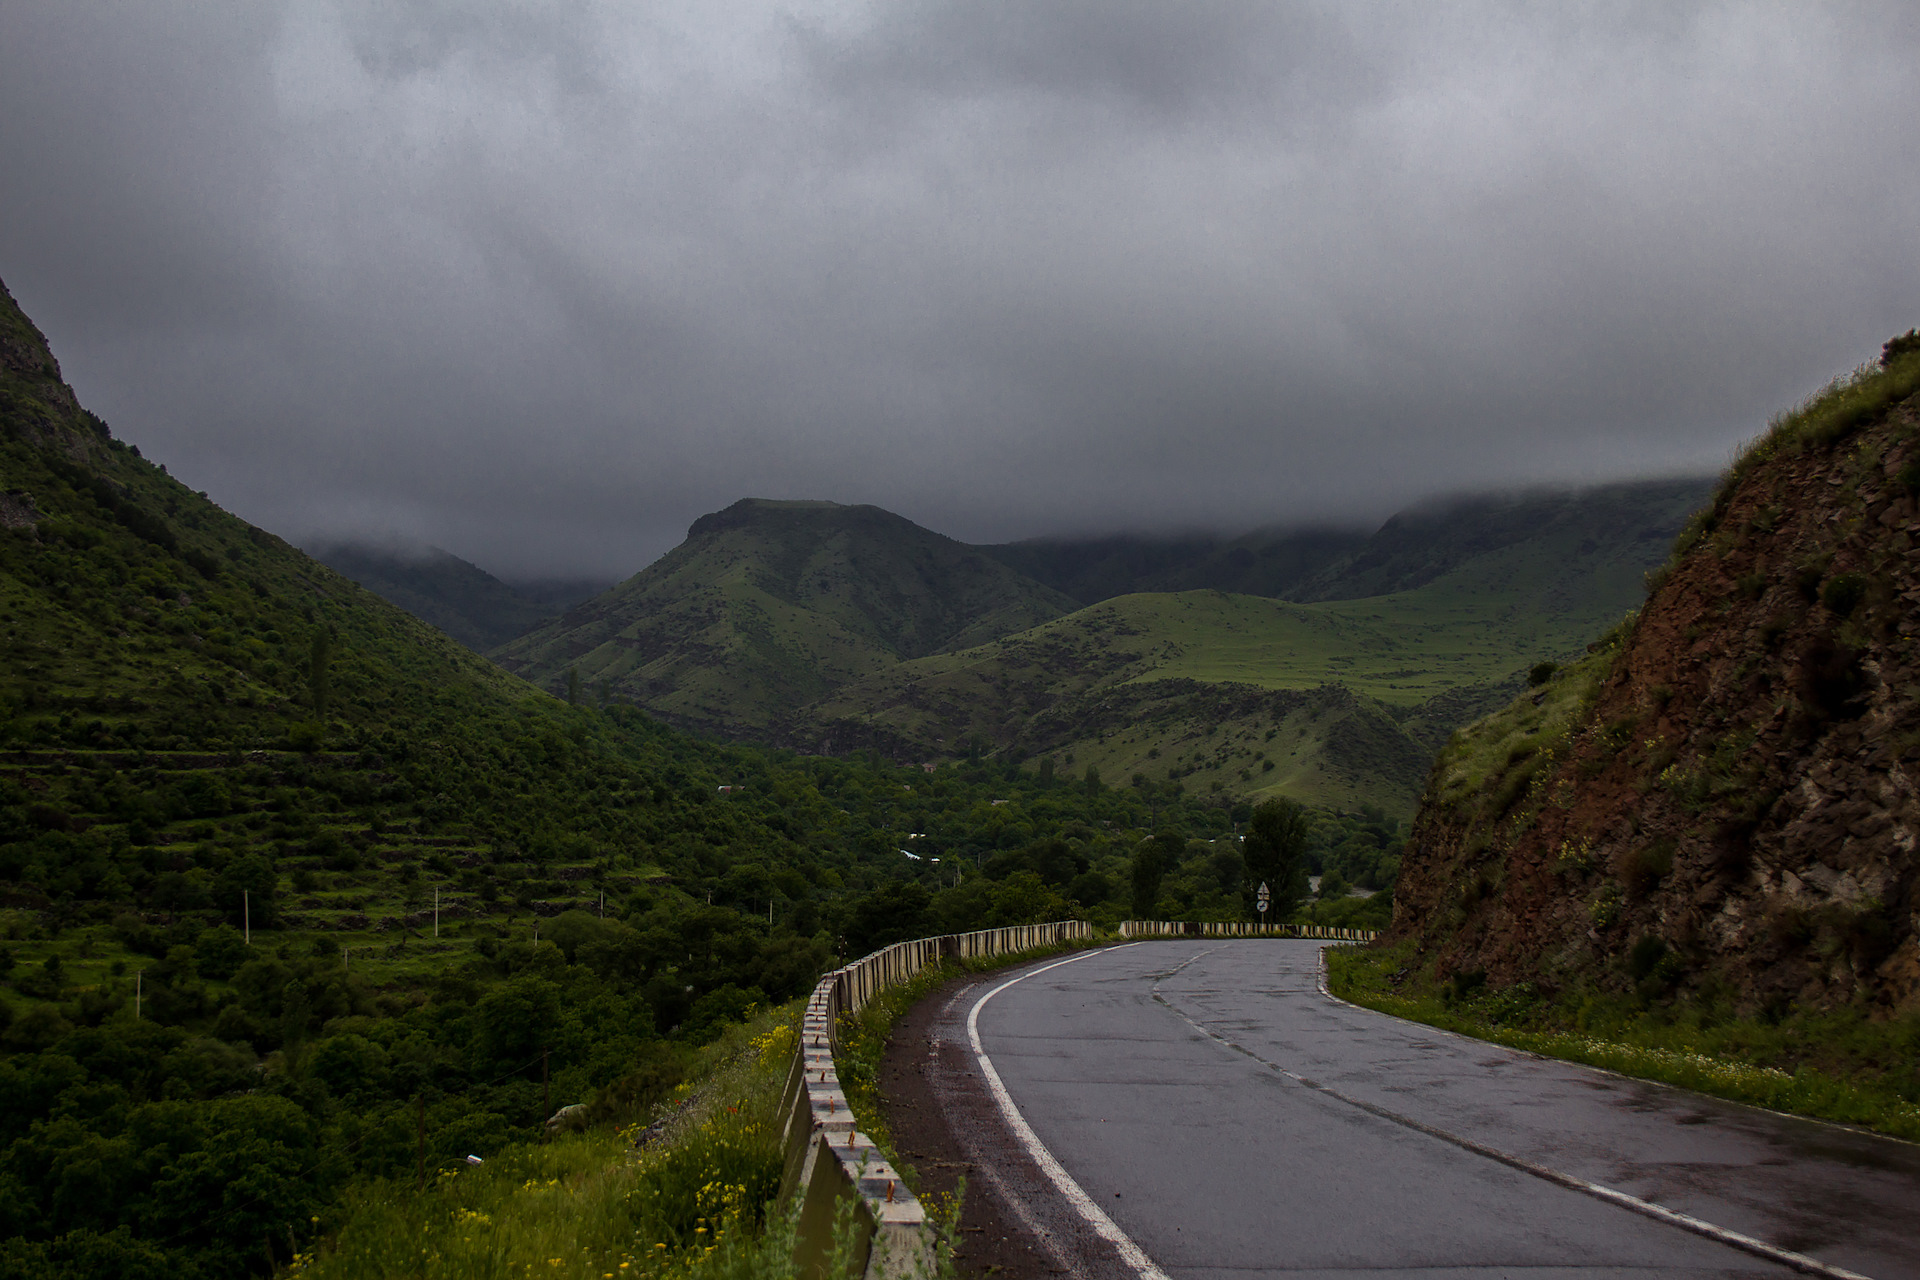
column 1605, row 536
column 459, row 598
column 834, row 628
column 1336, row 702
column 1627, row 524
column 286, row 873
column 771, row 605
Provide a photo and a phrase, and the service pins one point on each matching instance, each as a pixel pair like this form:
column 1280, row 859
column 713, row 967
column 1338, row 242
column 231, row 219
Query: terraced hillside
column 191, row 708
column 289, row 878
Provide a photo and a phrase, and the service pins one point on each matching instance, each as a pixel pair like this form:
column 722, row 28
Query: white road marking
column 1747, row 1244
column 1798, row 1261
column 1130, row 1253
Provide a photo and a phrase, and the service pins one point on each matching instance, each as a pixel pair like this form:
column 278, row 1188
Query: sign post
column 1263, row 899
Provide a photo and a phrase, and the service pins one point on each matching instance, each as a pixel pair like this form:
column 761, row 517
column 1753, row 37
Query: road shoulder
column 1014, row 1225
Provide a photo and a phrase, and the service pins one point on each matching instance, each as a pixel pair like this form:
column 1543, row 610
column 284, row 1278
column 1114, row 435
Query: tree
column 246, row 892
column 1046, row 771
column 573, row 686
column 1151, row 862
column 1275, row 852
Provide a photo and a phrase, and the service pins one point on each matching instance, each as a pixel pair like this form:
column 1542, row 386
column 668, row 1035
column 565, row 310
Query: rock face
column 38, row 405
column 1725, row 797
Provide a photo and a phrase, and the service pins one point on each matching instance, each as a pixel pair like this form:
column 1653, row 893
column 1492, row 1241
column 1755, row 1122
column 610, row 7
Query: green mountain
column 1605, row 537
column 460, row 598
column 1410, row 549
column 770, row 605
column 289, row 878
column 1338, row 701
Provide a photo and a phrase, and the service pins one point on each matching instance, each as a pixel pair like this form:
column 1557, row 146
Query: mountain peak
column 45, row 411
column 811, row 512
column 769, row 605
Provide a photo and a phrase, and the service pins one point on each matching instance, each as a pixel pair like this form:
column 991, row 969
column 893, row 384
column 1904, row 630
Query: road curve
column 1231, row 1120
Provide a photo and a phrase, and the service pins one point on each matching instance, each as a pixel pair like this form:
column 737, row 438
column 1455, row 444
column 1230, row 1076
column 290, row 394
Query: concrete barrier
column 836, row 1170
column 1239, row 929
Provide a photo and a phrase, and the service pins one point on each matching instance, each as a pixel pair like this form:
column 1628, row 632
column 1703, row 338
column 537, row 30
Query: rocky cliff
column 1724, row 797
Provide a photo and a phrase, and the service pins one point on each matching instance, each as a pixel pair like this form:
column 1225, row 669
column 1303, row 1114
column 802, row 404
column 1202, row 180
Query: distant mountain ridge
column 1265, row 562
column 460, row 598
column 1410, row 549
column 1425, row 542
column 829, row 628
column 1340, row 701
column 769, row 605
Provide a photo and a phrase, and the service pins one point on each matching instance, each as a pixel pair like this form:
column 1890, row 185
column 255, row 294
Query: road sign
column 1262, row 899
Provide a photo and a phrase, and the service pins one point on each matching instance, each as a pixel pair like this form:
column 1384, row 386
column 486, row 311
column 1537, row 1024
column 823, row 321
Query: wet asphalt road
column 1149, row 1072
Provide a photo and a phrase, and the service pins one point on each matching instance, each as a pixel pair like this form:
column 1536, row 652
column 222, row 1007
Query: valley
column 831, row 629
column 300, row 896
column 444, row 591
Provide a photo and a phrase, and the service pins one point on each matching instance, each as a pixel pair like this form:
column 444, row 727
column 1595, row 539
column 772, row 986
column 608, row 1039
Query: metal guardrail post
column 828, row 1161
column 1133, row 929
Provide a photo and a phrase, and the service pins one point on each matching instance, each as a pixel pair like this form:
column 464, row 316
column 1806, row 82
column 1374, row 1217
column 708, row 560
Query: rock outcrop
column 1725, row 797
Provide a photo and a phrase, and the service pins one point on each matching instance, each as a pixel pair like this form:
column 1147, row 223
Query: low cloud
column 543, row 283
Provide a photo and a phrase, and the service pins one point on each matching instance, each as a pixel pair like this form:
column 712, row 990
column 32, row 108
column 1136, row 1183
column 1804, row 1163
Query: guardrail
column 829, row 1163
column 1232, row 929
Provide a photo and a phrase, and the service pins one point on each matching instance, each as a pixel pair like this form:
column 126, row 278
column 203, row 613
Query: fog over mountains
column 1311, row 663
column 541, row 286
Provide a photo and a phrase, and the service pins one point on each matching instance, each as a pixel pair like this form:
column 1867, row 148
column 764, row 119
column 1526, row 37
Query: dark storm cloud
column 541, row 283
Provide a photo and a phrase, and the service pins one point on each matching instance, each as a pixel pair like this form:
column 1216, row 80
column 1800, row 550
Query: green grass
column 1402, row 649
column 1494, row 761
column 1356, row 691
column 1845, row 404
column 696, row 1201
column 1844, row 1065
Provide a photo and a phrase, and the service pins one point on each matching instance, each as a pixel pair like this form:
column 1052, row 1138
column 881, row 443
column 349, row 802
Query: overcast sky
column 541, row 283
